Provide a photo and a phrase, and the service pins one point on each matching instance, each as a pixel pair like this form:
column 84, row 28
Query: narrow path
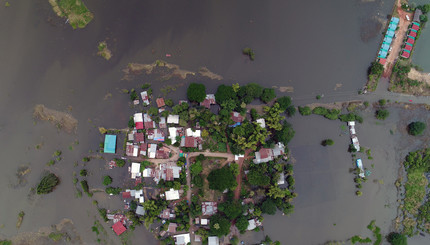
column 239, row 176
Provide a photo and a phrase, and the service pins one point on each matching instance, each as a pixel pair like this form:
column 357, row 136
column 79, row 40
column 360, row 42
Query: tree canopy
column 221, row 179
column 47, row 184
column 225, row 93
column 256, row 177
column 268, row 95
column 219, row 226
column 231, row 209
column 397, row 239
column 268, row 206
column 196, row 92
column 285, row 134
column 416, row 128
column 242, row 223
column 196, row 168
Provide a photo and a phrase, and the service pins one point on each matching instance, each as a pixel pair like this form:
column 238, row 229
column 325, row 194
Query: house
column 162, row 153
column 131, row 137
column 208, row 101
column 126, row 194
column 261, row 122
column 412, row 34
column 182, row 239
column 195, row 133
column 143, row 149
column 119, row 228
column 236, row 117
column 155, row 134
column 110, row 144
column 188, row 142
column 152, row 150
column 408, row 47
column 204, row 221
column 415, row 26
column 160, row 102
column 173, row 119
column 138, row 120
column 162, row 123
column 278, row 150
column 145, row 97
column 135, row 170
column 140, row 210
column 405, row 54
column 165, row 171
column 213, row 240
column 172, row 134
column 253, row 223
column 138, row 194
column 131, row 150
column 166, row 214
column 281, row 180
column 139, row 138
column 209, row 208
column 410, row 40
column 263, row 155
column 172, row 194
column 172, row 227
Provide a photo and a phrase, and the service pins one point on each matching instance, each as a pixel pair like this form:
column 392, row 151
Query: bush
column 107, row 180
column 327, row 142
column 319, row 111
column 86, row 188
column 198, row 181
column 131, row 122
column 119, row 162
column 242, row 223
column 382, row 102
column 416, row 128
column 268, row 207
column 268, row 95
column 397, row 239
column 47, row 184
column 196, row 168
column 249, row 52
column 284, row 102
column 305, row 111
column 376, row 69
column 196, row 92
column 83, row 172
column 113, row 190
column 382, row 114
column 423, row 18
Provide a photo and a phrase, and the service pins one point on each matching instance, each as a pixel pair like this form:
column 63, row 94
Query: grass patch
column 74, row 10
column 104, row 51
column 56, row 236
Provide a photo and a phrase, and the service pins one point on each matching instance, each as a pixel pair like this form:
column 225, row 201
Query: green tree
column 169, row 102
column 242, row 223
column 276, row 192
column 198, row 181
column 382, row 114
column 284, row 102
column 225, row 93
column 285, row 134
column 107, row 180
column 305, row 111
column 153, row 111
column 256, row 177
column 268, row 207
column 231, row 209
column 196, row 92
column 268, row 95
column 221, row 179
column 196, row 168
column 327, row 142
column 416, row 128
column 219, row 226
column 397, row 239
column 273, row 117
column 47, row 184
column 376, row 69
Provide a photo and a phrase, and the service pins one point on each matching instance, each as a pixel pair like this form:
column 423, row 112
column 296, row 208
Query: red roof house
column 405, row 54
column 236, row 117
column 408, row 47
column 160, row 102
column 189, row 142
column 126, row 194
column 382, row 61
column 139, row 125
column 415, row 27
column 118, row 228
column 139, row 137
column 412, row 34
column 410, row 40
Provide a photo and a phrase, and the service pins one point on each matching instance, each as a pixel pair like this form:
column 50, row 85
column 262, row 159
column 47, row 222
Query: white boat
column 360, row 166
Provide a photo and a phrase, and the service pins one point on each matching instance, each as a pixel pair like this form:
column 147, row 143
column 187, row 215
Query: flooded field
column 311, row 46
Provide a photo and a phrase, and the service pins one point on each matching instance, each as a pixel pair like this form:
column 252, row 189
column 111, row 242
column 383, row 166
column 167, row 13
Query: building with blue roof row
column 388, row 39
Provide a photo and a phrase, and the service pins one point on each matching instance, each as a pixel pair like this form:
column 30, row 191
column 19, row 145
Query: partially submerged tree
column 196, row 92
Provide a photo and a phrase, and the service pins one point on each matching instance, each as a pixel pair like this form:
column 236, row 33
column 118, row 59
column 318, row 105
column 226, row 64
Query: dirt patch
column 104, row 51
column 21, row 176
column 337, row 86
column 61, row 120
column 207, row 73
column 285, row 89
column 65, row 229
column 172, row 70
column 420, row 76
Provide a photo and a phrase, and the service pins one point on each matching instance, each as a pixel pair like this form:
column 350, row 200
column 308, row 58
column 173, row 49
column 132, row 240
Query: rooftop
column 160, row 102
column 110, row 144
column 119, row 228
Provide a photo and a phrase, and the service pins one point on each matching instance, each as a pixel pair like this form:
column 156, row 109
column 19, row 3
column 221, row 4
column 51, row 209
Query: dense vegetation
column 47, row 184
column 327, row 142
column 74, row 10
column 416, row 128
column 222, row 179
column 196, row 92
column 395, row 238
column 375, row 72
column 107, row 180
column 382, row 114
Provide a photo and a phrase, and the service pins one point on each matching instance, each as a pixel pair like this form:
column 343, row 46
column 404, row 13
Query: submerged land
column 212, row 146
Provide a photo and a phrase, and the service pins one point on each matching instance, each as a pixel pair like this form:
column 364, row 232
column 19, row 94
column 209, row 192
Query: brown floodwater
column 309, row 45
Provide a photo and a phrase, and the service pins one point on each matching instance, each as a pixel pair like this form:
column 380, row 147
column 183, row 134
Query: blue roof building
column 385, row 46
column 390, row 33
column 382, row 54
column 395, row 20
column 388, row 40
column 110, row 143
column 392, row 26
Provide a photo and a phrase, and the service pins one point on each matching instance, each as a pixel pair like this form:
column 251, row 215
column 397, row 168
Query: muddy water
column 311, row 46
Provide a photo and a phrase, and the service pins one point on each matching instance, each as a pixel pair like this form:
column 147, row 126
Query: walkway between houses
column 398, row 41
column 239, row 176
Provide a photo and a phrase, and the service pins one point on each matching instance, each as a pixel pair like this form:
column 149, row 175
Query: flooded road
column 311, row 46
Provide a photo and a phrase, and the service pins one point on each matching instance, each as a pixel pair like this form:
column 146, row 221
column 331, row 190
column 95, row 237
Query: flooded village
column 109, row 139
